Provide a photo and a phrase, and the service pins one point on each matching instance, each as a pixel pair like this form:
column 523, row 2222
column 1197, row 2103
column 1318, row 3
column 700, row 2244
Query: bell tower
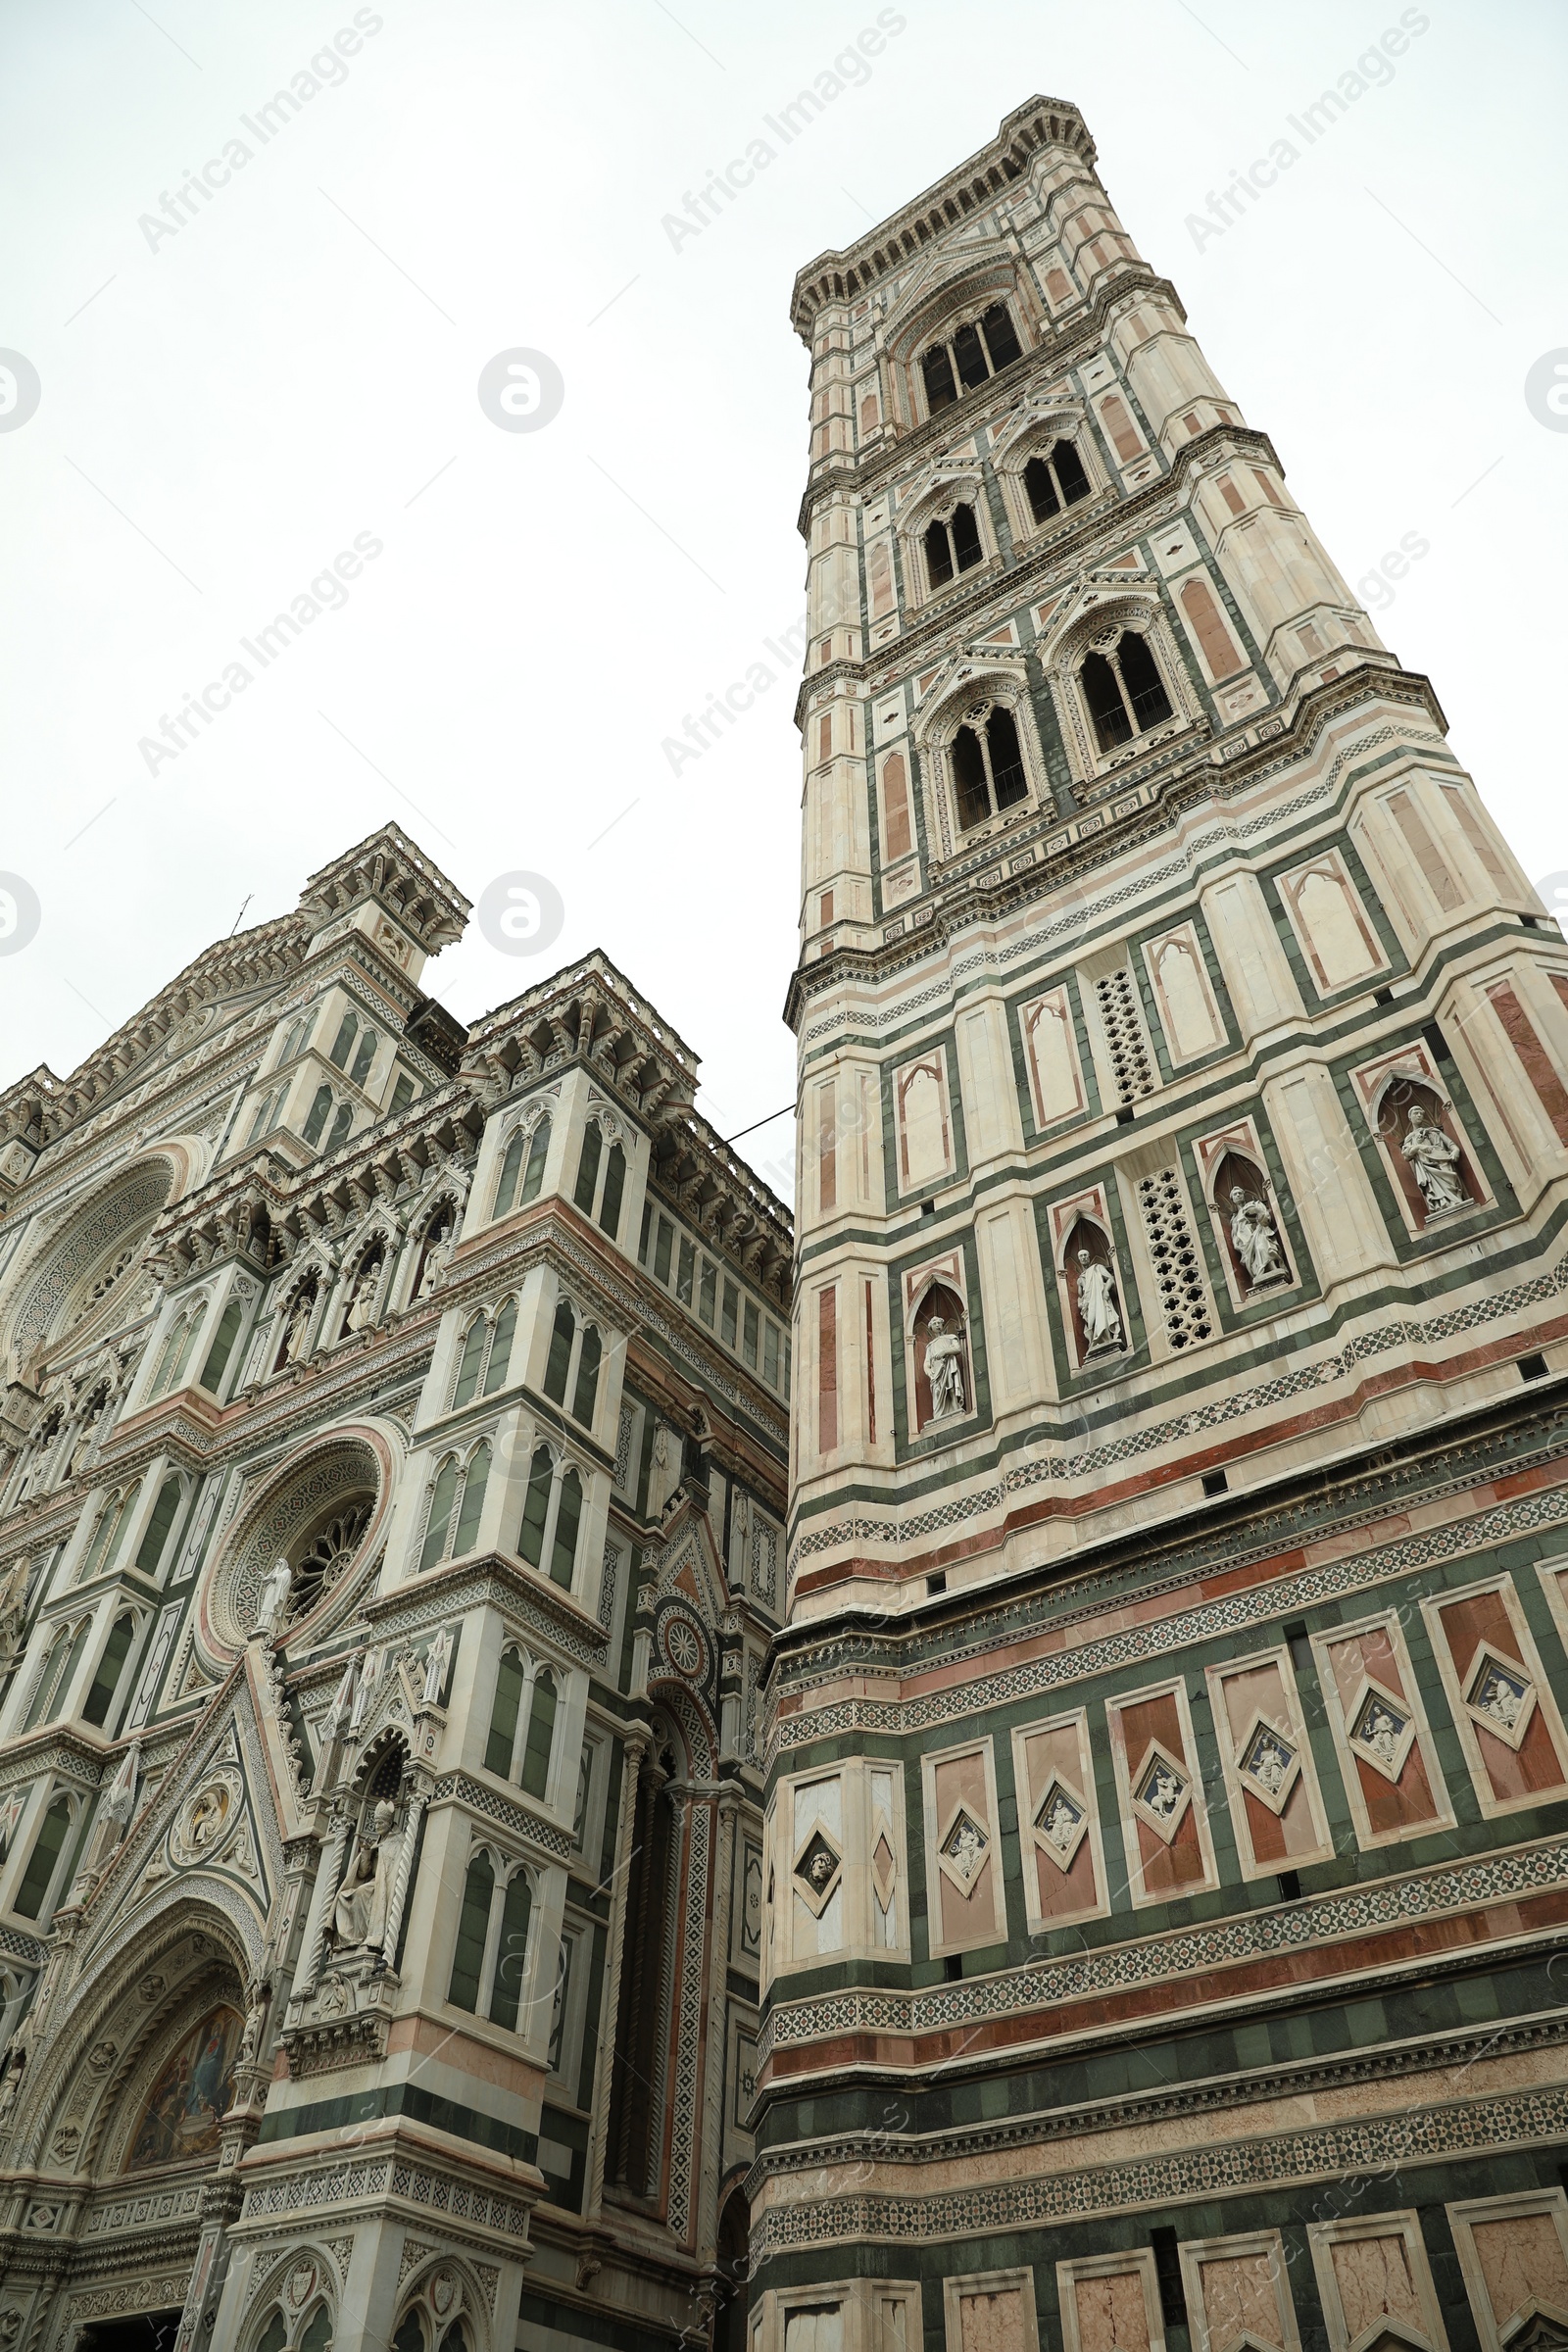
column 1183, row 1116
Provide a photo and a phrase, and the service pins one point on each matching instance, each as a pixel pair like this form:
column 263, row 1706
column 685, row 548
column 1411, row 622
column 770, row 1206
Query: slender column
column 418, row 1797
column 326, row 1886
column 633, row 1757
column 726, row 1805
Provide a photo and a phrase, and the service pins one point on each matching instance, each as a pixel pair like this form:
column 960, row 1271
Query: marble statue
column 298, row 1324
column 271, row 1599
column 1257, row 1243
column 1434, row 1159
column 943, row 1369
column 435, row 1263
column 358, row 1914
column 1096, row 1304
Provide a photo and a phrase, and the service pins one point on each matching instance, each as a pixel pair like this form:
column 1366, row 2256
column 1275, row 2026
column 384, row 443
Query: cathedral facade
column 1167, row 1772
column 394, row 1457
column 583, row 1766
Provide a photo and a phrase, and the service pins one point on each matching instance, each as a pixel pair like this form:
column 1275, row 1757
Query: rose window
column 326, row 1555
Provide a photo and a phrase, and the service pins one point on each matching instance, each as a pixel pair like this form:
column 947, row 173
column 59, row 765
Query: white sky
column 266, row 384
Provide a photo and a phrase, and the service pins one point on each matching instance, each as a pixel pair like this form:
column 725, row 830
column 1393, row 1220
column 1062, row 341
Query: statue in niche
column 271, row 1599
column 250, row 2041
column 358, row 1914
column 13, row 1610
column 436, row 1258
column 1434, row 1159
column 943, row 1369
column 361, row 1298
column 298, row 1324
column 1097, row 1308
column 1256, row 1239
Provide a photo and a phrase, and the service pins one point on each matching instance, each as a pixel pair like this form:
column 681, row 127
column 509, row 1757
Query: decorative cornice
column 496, row 1580
column 906, row 234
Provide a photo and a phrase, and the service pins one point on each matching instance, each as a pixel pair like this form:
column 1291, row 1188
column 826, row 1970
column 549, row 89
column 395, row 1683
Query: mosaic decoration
column 191, row 2096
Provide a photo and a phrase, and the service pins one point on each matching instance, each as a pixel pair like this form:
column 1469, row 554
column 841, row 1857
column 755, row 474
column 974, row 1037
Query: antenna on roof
column 235, row 925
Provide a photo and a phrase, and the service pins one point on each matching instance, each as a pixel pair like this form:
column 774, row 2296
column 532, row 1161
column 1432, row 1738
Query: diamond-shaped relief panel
column 1500, row 1694
column 1384, row 1731
column 1268, row 1760
column 1160, row 1791
column 1060, row 1817
column 817, row 1867
column 964, row 1847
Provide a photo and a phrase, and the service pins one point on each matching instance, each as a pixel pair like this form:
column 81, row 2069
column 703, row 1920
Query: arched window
column 222, row 1346
column 569, row 1516
column 155, row 1534
column 988, row 770
column 471, row 1362
column 470, row 1509
column 587, row 1184
column 474, row 1934
column 1056, row 480
column 275, row 2335
column 320, row 1112
column 500, row 1357
column 43, row 1863
column 615, row 1189
column 511, row 1167
column 508, row 1195
column 263, row 1117
column 511, row 1959
column 344, row 1039
column 48, row 1676
column 504, row 1712
column 976, row 351
column 443, row 1495
column 1124, row 691
column 317, row 2336
column 952, row 546
column 409, row 2336
column 490, row 1959
column 366, row 1054
column 536, row 1506
column 100, row 1698
column 100, row 1553
column 175, row 1353
column 341, row 1124
column 585, row 1394
column 559, row 1364
column 541, row 1736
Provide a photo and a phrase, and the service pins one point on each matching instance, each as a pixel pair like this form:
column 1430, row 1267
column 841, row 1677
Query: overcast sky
column 225, row 408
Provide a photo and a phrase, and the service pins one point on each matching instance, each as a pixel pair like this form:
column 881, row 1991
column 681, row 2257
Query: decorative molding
column 1376, row 2145
column 1259, row 1604
column 1043, row 1985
